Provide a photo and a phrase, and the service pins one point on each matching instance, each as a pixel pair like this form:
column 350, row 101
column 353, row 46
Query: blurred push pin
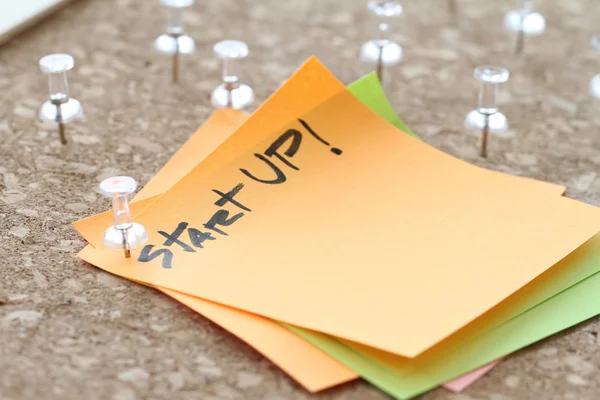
column 452, row 7
column 60, row 108
column 231, row 93
column 486, row 118
column 381, row 50
column 174, row 42
column 524, row 21
column 595, row 82
column 124, row 234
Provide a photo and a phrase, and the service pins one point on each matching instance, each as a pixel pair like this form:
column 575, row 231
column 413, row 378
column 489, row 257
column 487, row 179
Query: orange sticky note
column 376, row 238
column 309, row 366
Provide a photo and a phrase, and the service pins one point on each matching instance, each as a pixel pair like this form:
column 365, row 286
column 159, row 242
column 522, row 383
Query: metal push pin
column 124, row 234
column 524, row 21
column 595, row 82
column 486, row 118
column 60, row 108
column 174, row 42
column 231, row 93
column 381, row 50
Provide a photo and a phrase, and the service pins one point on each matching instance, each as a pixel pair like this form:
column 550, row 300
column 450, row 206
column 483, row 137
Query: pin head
column 595, row 86
column 177, row 3
column 133, row 236
column 595, row 82
column 118, row 186
column 170, row 44
column 174, row 41
column 230, row 49
column 372, row 51
column 56, row 63
column 390, row 53
column 60, row 108
column 237, row 99
column 232, row 93
column 69, row 111
column 596, row 43
column 486, row 118
column 124, row 234
column 491, row 74
column 525, row 20
column 384, row 8
column 476, row 122
column 381, row 50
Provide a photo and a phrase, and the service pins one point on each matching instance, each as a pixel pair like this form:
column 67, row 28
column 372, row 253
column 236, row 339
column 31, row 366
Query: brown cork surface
column 70, row 331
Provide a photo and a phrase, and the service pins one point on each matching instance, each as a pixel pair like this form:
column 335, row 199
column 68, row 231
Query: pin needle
column 381, row 50
column 232, row 93
column 124, row 234
column 59, row 108
column 486, row 118
column 524, row 21
column 175, row 42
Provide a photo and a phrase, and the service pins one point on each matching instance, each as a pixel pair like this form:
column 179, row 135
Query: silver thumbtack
column 524, row 21
column 124, row 234
column 174, row 42
column 486, row 118
column 595, row 82
column 60, row 108
column 381, row 50
column 231, row 93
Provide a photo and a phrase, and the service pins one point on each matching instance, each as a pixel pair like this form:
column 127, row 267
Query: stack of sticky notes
column 323, row 233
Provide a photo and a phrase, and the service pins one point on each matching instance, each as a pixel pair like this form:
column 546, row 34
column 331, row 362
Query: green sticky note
column 570, row 307
column 369, row 91
column 565, row 295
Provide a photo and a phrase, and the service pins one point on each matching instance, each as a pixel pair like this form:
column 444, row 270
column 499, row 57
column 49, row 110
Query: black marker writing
column 228, row 197
column 279, row 175
column 198, row 237
column 174, row 237
column 294, row 137
column 147, row 256
column 290, row 140
column 334, row 150
column 221, row 217
column 294, row 146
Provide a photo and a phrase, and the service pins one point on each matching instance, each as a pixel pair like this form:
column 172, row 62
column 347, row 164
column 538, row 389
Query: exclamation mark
column 334, row 150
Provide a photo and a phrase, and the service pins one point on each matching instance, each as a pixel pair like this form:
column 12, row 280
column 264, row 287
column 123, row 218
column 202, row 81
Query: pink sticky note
column 459, row 384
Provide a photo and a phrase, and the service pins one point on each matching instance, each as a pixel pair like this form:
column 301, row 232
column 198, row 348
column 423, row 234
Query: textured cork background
column 70, row 331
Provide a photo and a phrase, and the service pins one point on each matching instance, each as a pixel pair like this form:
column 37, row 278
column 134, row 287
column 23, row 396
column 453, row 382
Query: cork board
column 74, row 332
